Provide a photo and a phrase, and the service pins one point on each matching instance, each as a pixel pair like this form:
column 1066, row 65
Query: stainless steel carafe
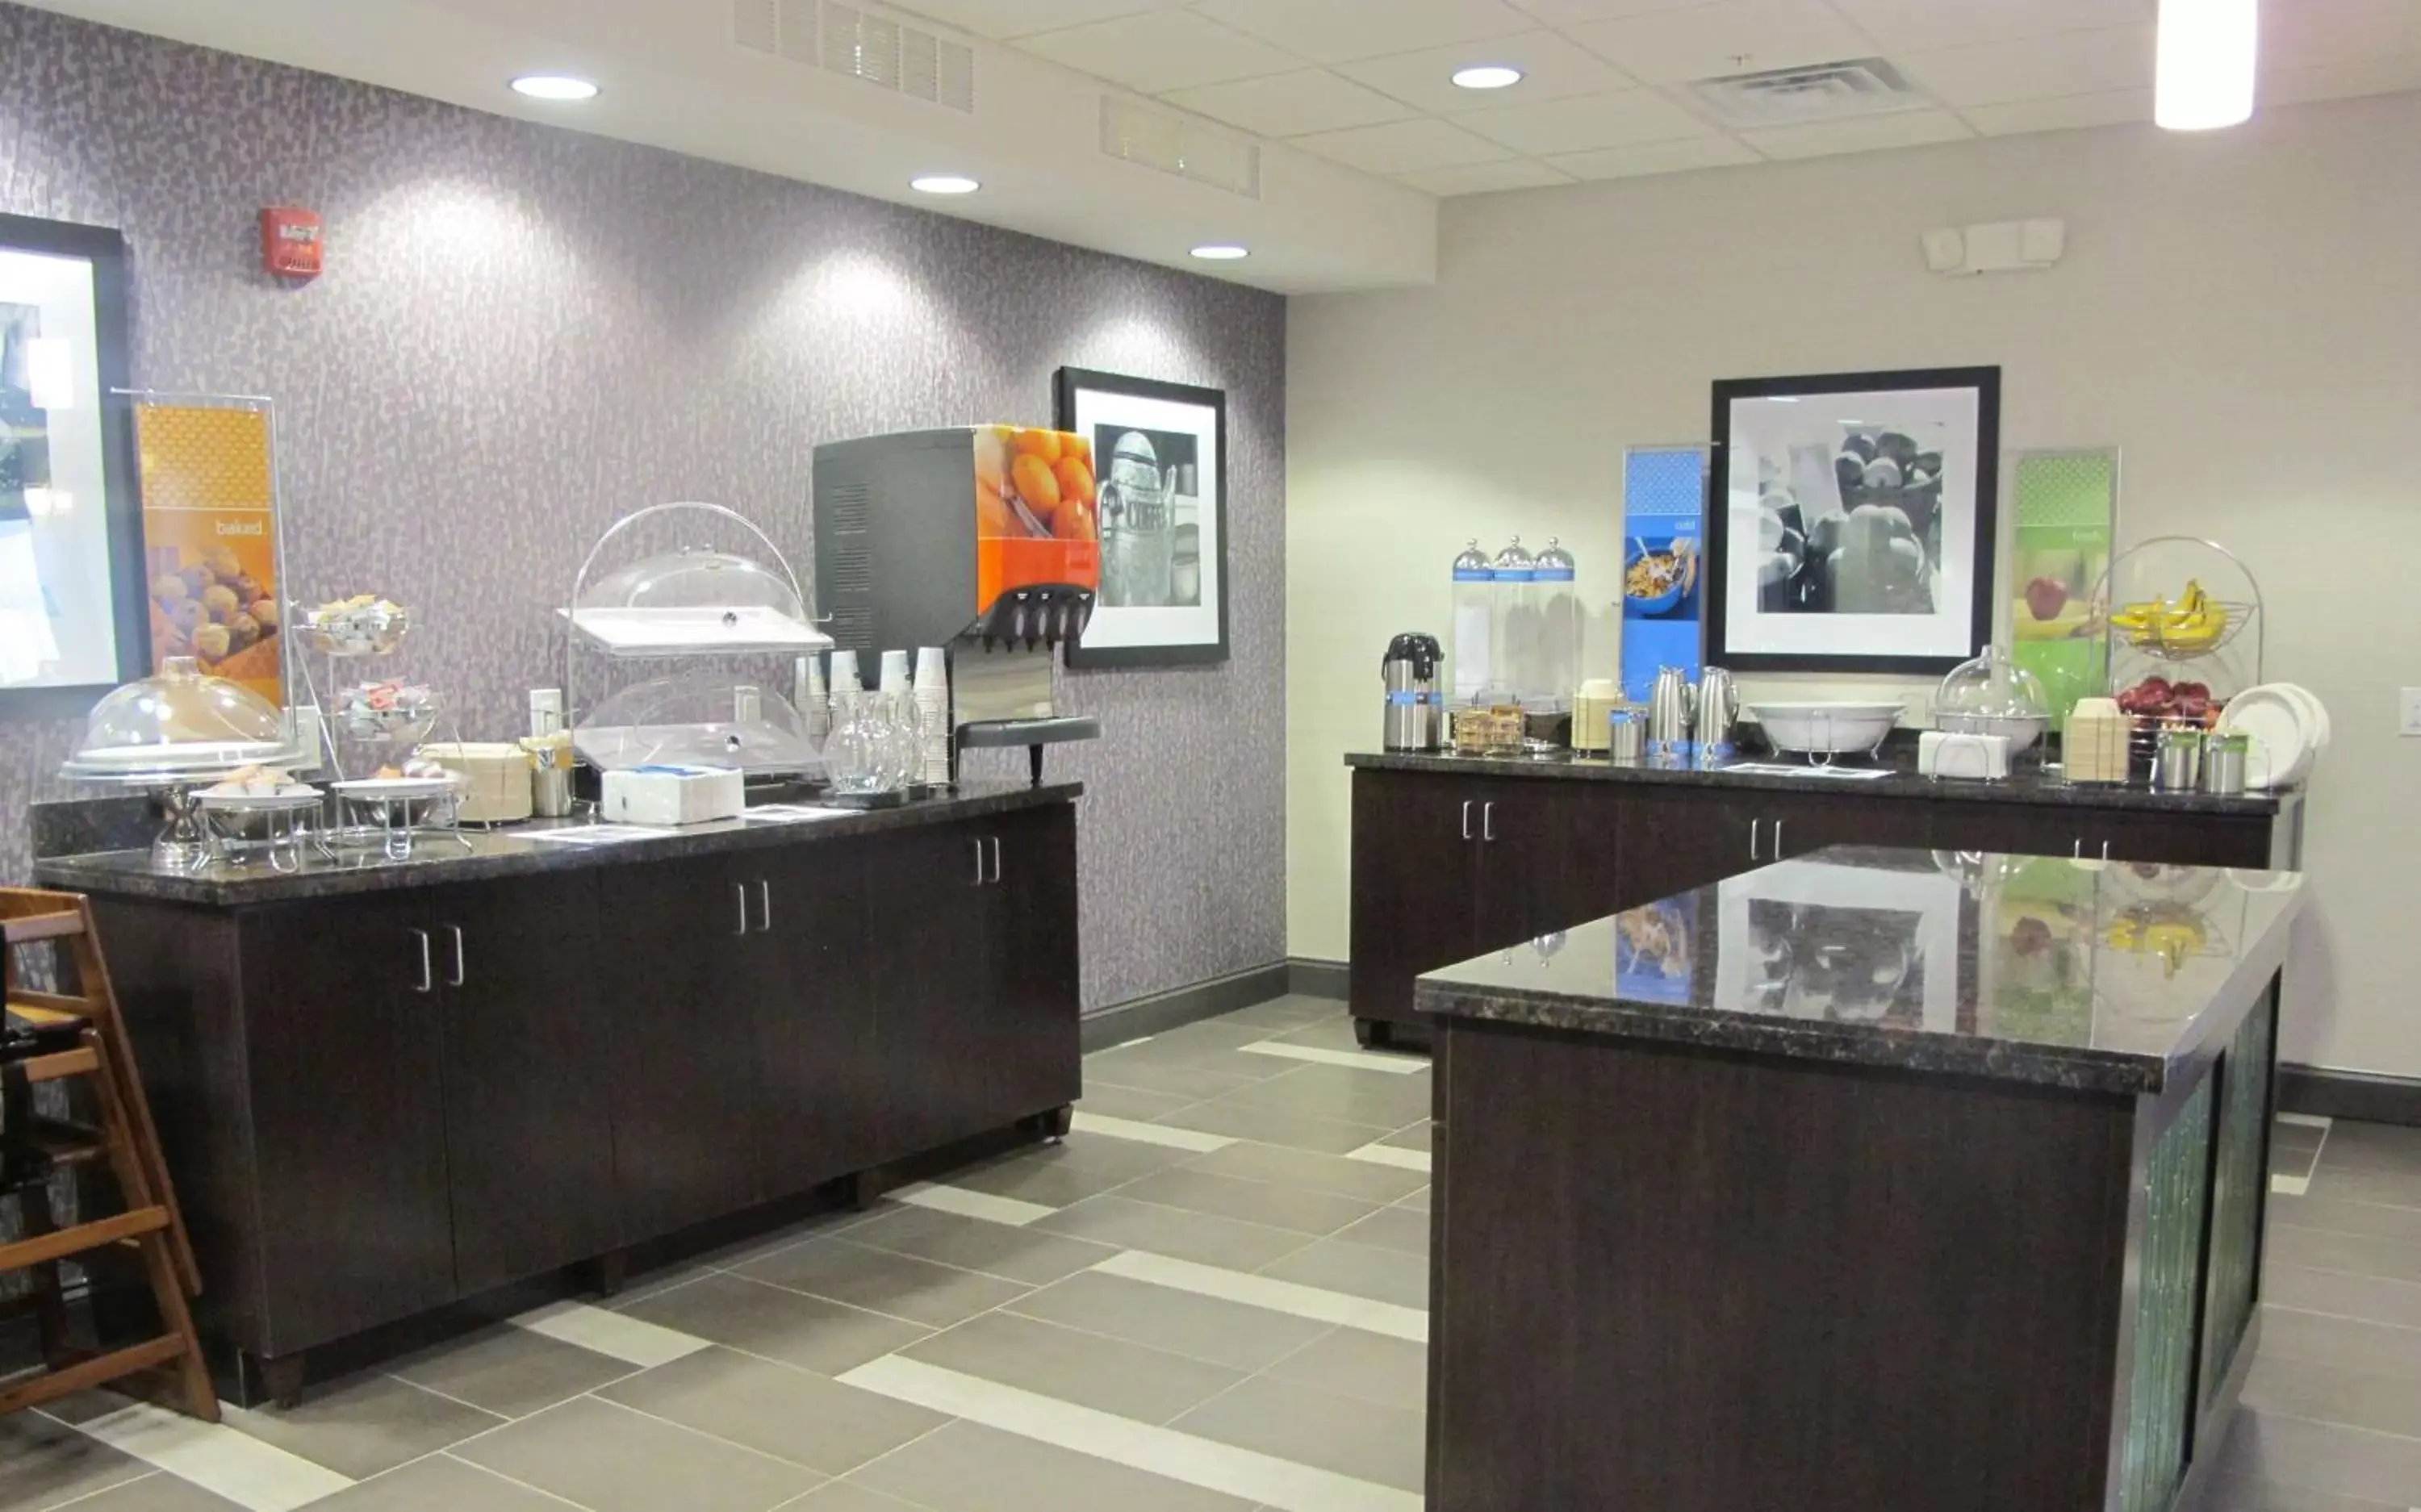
column 1668, row 714
column 1414, row 710
column 1718, row 711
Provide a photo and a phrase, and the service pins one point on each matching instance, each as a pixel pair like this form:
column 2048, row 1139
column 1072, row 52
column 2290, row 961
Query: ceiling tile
column 1162, row 50
column 1551, row 67
column 1291, row 104
column 1735, row 37
column 2110, row 107
column 1656, row 157
column 1341, row 31
column 1023, row 18
column 1403, row 147
column 1920, row 25
column 1869, row 133
column 2340, row 80
column 1587, row 123
column 2043, row 68
column 1485, row 178
column 1569, row 12
column 2306, row 33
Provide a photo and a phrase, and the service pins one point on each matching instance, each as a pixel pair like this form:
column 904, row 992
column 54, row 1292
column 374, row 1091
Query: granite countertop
column 440, row 859
column 2022, row 787
column 2084, row 974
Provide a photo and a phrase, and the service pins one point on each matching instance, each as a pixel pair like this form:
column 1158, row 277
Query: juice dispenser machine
column 980, row 539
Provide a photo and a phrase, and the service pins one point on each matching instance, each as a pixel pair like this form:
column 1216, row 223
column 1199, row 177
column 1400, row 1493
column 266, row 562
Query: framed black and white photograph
column 1159, row 464
column 71, row 602
column 1850, row 521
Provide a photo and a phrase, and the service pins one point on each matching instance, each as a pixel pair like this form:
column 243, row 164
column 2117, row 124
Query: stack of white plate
column 2286, row 728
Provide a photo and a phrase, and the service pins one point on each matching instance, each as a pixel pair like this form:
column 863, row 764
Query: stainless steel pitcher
column 1718, row 711
column 1669, row 704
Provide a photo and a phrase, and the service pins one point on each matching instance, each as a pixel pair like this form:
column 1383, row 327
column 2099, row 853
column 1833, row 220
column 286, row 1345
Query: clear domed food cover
column 695, row 601
column 1993, row 696
column 699, row 722
column 179, row 726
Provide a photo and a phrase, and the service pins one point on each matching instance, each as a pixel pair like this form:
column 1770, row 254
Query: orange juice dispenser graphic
column 984, row 541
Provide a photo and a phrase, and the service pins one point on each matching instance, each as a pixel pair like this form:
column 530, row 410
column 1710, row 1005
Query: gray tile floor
column 1212, row 1298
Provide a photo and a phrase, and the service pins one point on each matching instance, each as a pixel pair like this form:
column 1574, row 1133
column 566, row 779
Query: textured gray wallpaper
column 526, row 332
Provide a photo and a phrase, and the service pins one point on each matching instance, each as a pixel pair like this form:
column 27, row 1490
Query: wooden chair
column 78, row 1036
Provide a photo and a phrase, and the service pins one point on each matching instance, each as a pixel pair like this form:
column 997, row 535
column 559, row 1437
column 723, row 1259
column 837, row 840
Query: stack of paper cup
column 845, row 685
column 895, row 672
column 815, row 705
column 934, row 711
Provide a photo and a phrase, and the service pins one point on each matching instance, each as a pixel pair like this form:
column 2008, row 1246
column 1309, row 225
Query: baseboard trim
column 2358, row 1095
column 1179, row 1007
column 1309, row 976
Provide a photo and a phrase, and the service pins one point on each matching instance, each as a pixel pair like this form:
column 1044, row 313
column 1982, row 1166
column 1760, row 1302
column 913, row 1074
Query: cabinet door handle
column 980, row 866
column 2105, row 850
column 1778, row 839
column 460, row 974
column 2078, row 849
column 1488, row 822
column 764, row 905
column 1466, row 818
column 428, row 973
column 740, row 890
column 1754, row 825
column 996, row 858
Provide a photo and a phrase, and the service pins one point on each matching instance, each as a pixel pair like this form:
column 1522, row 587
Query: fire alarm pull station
column 289, row 242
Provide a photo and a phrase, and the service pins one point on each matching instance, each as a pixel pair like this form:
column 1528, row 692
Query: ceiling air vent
column 861, row 44
column 1814, row 92
column 1134, row 131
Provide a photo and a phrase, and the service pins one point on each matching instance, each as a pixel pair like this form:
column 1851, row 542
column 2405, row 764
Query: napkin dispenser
column 1944, row 754
column 672, row 795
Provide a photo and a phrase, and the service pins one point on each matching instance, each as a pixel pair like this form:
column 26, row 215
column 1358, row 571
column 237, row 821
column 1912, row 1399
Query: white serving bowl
column 1826, row 728
column 2024, row 730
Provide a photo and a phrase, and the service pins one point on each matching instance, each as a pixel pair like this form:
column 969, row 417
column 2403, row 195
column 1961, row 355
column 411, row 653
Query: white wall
column 2240, row 312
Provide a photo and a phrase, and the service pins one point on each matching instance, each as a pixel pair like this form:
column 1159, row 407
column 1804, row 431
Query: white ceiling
column 1366, row 83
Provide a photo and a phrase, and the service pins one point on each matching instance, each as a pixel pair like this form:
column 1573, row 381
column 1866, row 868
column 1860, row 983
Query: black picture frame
column 104, row 249
column 1986, row 382
column 1067, row 386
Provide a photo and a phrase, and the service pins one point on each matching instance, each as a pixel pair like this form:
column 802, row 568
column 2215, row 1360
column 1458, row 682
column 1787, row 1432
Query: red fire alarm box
column 289, row 242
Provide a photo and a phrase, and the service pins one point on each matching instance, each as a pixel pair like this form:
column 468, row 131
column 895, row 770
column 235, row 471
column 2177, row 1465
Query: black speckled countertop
column 2082, row 975
column 440, row 859
column 2022, row 787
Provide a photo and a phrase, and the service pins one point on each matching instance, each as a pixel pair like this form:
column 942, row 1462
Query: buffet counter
column 1852, row 1141
column 388, row 1087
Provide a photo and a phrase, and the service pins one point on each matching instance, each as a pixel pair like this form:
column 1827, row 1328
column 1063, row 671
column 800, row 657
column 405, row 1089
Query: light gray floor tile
column 2230, row 1493
column 1382, row 1099
column 1358, row 1270
column 1278, row 1126
column 738, row 1252
column 2397, row 1188
column 1001, row 1250
column 1108, row 1375
column 2322, row 1457
column 2373, row 1146
column 439, row 1484
column 1419, row 1136
column 841, row 1496
column 2352, row 1344
column 1176, row 1076
column 2335, row 1216
column 2296, row 1136
column 1113, row 1101
column 1260, row 1202
column 2302, row 1164
column 1200, row 1236
column 1286, row 1013
column 777, row 1409
column 1418, row 1201
column 43, row 1463
column 969, row 1468
column 1060, row 1176
column 664, row 1278
column 162, row 1492
column 1212, row 1033
column 1305, row 1168
column 510, row 1370
column 823, row 1336
column 2342, row 1293
column 2333, row 1394
column 1372, row 1367
column 1316, row 1428
column 2362, row 1256
column 1203, row 1328
column 902, row 1285
column 612, row 1460
column 1393, row 1228
column 1327, row 1033
column 364, row 1424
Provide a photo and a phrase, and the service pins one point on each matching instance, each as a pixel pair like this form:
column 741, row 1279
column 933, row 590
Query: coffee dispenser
column 1415, row 709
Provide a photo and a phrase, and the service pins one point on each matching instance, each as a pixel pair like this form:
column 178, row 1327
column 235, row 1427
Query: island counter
column 1857, row 1183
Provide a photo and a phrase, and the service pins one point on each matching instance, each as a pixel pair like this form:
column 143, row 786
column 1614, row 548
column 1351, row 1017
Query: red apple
column 2046, row 598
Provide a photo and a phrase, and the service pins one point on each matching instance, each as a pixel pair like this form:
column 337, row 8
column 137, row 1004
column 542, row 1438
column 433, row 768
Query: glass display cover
column 176, row 725
column 700, row 721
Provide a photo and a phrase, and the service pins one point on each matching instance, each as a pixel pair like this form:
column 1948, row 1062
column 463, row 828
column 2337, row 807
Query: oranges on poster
column 1036, row 484
column 993, row 517
column 1042, row 443
column 1071, row 445
column 1075, row 480
column 1074, row 521
column 992, row 456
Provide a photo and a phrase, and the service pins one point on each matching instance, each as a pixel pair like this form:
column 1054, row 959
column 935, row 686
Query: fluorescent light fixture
column 1487, row 76
column 50, row 373
column 555, row 87
column 1220, row 252
column 2203, row 79
column 943, row 183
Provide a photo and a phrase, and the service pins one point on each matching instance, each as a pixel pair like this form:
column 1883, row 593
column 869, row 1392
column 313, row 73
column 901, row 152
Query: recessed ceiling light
column 1487, row 76
column 943, row 183
column 555, row 87
column 2203, row 76
column 1220, row 252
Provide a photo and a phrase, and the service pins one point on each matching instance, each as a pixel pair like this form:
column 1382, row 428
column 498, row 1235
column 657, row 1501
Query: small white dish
column 372, row 790
column 290, row 797
column 2282, row 743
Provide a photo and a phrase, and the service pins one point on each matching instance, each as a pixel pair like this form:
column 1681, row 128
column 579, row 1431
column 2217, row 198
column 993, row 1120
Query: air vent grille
column 1172, row 142
column 1814, row 92
column 860, row 45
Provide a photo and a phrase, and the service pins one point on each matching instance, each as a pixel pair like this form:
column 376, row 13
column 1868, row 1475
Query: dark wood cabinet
column 1414, row 867
column 1686, row 838
column 807, row 978
column 1033, row 1038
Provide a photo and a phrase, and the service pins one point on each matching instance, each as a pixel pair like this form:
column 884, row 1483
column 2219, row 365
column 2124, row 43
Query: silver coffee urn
column 1415, row 711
